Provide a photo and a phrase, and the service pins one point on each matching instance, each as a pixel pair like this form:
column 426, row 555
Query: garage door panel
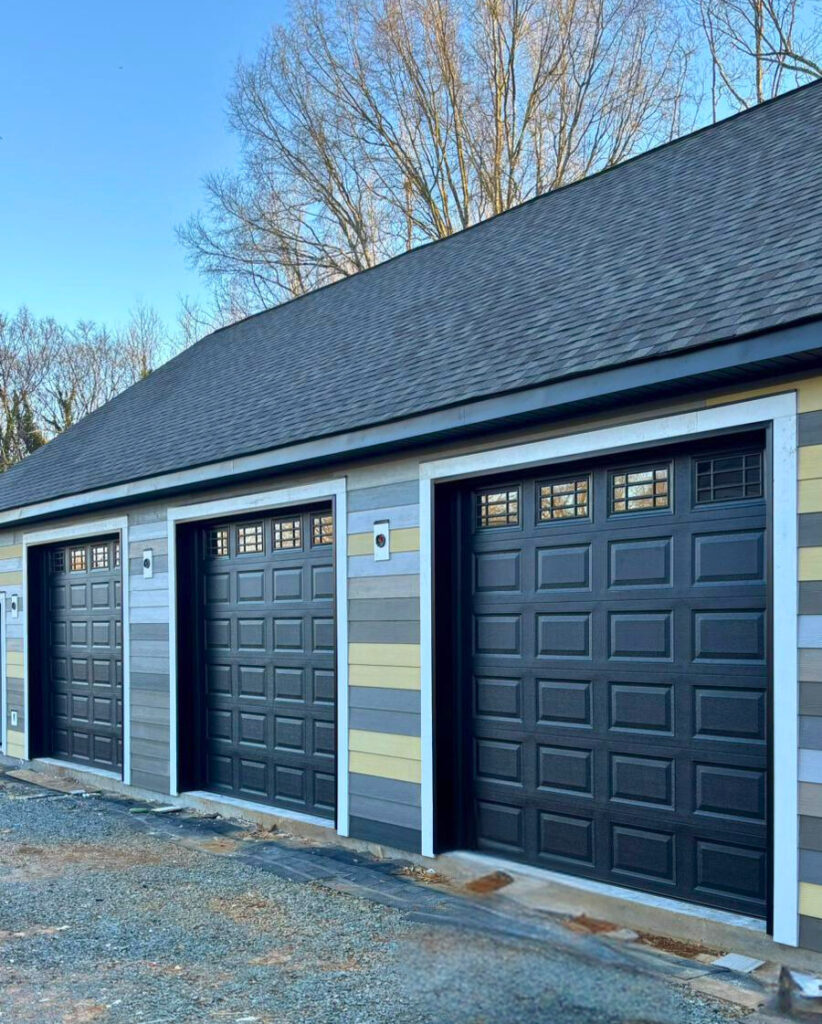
column 268, row 660
column 619, row 683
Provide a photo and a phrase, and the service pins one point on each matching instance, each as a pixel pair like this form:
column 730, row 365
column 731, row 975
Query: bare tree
column 371, row 127
column 759, row 48
column 143, row 344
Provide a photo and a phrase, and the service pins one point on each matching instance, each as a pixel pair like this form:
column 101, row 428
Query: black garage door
column 618, row 714
column 84, row 653
column 268, row 659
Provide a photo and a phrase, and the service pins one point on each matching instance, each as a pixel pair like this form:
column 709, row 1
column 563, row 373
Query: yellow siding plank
column 387, row 743
column 407, row 655
column 810, row 495
column 14, row 659
column 384, row 767
column 16, row 745
column 392, row 678
column 810, row 899
column 810, row 395
column 744, row 396
column 12, row 551
column 810, row 564
column 810, row 462
column 405, row 539
column 11, row 579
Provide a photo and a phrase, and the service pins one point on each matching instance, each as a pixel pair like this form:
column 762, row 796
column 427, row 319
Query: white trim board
column 335, row 490
column 91, row 528
column 780, row 412
column 4, row 686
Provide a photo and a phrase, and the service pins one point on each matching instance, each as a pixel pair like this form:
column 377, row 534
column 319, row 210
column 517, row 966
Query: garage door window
column 641, row 490
column 250, row 539
column 77, row 559
column 728, row 478
column 322, row 528
column 99, row 556
column 288, row 534
column 58, row 561
column 498, row 508
column 563, row 499
column 218, row 542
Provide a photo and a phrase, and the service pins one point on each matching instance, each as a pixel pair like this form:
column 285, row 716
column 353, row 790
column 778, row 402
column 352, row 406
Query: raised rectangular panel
column 219, row 724
column 251, row 634
column 499, row 826
column 289, row 733
column 289, row 784
column 101, row 710
column 497, row 634
column 79, row 670
column 729, row 636
column 252, row 776
column 562, row 702
column 57, row 598
column 564, row 568
column 288, row 634
column 564, row 635
column 59, row 705
column 289, row 683
column 566, row 836
column 325, row 790
column 218, row 634
column 251, row 585
column 102, row 749
column 496, row 571
column 217, row 588
column 642, row 853
column 101, row 671
column 323, row 634
column 325, row 686
column 79, row 708
column 218, row 678
column 497, row 698
column 643, row 780
column 59, row 670
column 252, row 680
column 723, row 868
column 252, row 728
column 80, row 744
column 78, row 630
column 729, row 557
column 729, row 714
column 322, row 582
column 101, row 634
column 498, row 760
column 640, row 563
column 78, row 595
column 642, row 707
column 220, row 771
column 325, row 738
column 288, row 584
column 567, row 769
column 730, row 792
column 641, row 635
column 100, row 595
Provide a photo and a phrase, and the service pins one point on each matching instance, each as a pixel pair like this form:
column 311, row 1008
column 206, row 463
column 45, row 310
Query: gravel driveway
column 107, row 916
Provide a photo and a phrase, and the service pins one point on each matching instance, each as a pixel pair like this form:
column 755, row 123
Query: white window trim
column 90, row 529
column 264, row 501
column 778, row 410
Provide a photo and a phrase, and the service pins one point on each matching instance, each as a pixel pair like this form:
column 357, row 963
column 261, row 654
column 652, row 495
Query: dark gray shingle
column 712, row 237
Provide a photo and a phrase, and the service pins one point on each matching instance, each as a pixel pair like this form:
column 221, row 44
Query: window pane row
column 286, row 535
column 729, row 477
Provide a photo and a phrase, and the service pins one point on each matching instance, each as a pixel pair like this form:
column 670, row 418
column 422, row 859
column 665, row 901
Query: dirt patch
column 35, row 930
column 84, row 1012
column 26, row 863
column 585, row 925
column 249, row 909
column 679, row 947
column 54, row 782
column 219, row 845
column 493, row 882
column 428, row 876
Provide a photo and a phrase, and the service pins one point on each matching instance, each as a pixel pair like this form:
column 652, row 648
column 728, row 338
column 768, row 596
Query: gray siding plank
column 399, row 722
column 149, row 631
column 810, row 866
column 367, row 498
column 810, row 832
column 149, row 680
column 810, row 732
column 135, row 565
column 810, row 698
column 384, row 587
column 384, row 632
column 385, row 811
column 382, row 698
column 392, row 609
column 810, row 428
column 385, row 789
column 810, row 665
column 810, row 597
column 152, row 781
column 810, row 529
column 399, row 516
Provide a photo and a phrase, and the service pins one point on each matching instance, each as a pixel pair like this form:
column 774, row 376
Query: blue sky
column 111, row 113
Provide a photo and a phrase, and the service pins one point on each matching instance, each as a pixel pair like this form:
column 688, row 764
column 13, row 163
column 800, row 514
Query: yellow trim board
column 400, row 655
column 810, row 495
column 810, row 462
column 392, row 678
column 810, row 899
column 383, row 767
column 810, row 564
column 405, row 539
column 389, row 744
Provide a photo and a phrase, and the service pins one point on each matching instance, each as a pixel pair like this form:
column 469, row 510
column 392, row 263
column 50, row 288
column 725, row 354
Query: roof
column 708, row 238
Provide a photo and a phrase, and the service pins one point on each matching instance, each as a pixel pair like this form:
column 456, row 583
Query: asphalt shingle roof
column 715, row 236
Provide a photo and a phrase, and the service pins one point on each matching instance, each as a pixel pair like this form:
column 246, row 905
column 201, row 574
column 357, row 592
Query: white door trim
column 334, row 489
column 778, row 410
column 91, row 528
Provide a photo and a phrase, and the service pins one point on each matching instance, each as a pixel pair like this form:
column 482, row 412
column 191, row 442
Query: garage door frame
column 333, row 490
column 92, row 528
column 778, row 414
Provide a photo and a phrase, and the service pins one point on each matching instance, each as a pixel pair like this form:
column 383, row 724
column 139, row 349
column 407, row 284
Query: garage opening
column 257, row 659
column 76, row 653
column 610, row 647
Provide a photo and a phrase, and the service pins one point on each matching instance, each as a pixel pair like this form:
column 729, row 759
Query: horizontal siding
column 400, row 541
column 399, row 516
column 389, row 655
column 384, row 587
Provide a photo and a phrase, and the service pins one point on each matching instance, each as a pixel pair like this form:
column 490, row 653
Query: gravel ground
column 105, row 919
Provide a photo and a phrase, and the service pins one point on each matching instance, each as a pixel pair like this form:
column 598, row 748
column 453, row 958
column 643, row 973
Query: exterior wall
column 384, row 634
